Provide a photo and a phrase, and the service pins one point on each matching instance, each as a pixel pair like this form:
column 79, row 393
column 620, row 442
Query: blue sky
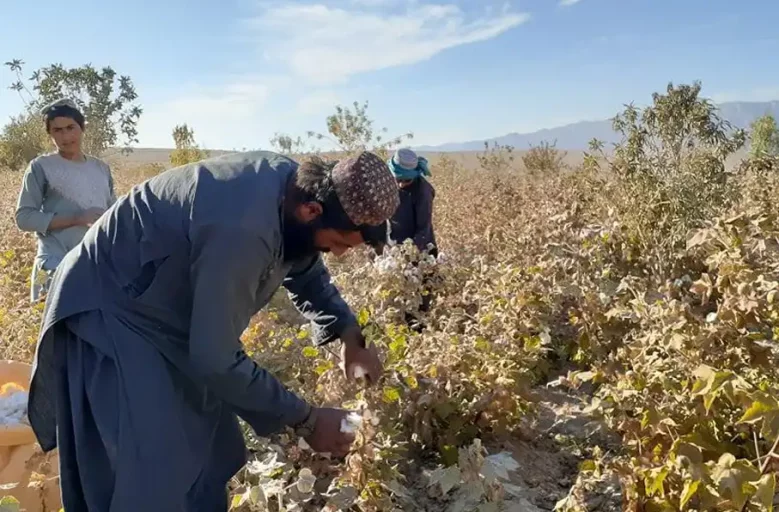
column 447, row 70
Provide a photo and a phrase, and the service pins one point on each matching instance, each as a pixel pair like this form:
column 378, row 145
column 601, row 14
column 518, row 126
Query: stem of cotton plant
column 771, row 454
column 766, row 462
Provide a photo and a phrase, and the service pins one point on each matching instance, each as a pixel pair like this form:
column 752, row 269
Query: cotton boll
column 371, row 417
column 387, row 265
column 306, row 481
column 351, row 423
column 359, row 372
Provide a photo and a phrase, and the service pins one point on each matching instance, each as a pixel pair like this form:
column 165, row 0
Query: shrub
column 22, row 139
column 544, row 158
column 187, row 151
column 764, row 138
column 670, row 169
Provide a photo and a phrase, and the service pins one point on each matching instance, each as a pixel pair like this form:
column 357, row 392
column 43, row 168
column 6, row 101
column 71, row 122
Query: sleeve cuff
column 264, row 424
column 297, row 412
column 322, row 335
column 41, row 221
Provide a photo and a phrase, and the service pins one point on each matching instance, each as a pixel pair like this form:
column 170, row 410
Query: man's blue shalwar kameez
column 139, row 372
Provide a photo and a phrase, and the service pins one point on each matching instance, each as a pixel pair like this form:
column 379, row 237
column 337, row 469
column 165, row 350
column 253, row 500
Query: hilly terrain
column 577, row 136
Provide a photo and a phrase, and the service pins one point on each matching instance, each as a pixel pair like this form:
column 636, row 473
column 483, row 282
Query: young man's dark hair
column 314, row 180
column 63, row 108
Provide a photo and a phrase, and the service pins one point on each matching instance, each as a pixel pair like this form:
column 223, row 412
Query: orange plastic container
column 26, row 473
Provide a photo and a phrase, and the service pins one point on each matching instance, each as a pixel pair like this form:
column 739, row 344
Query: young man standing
column 62, row 193
column 139, row 352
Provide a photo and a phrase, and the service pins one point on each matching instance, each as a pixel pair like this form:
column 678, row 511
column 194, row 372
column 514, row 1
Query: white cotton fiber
column 359, row 372
column 13, row 408
column 351, row 423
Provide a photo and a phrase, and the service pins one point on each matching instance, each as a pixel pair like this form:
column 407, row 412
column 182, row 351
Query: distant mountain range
column 578, row 135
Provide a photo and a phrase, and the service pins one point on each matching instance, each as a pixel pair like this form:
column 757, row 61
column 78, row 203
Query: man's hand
column 327, row 436
column 357, row 360
column 85, row 218
column 90, row 216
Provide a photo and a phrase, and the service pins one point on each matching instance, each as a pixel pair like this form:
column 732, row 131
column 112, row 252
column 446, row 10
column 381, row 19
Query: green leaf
column 690, row 488
column 310, row 352
column 482, row 345
column 649, row 417
column 532, row 343
column 324, row 367
column 709, row 384
column 654, row 482
column 9, row 504
column 397, row 346
column 391, row 395
column 237, row 501
column 689, row 455
column 363, row 316
column 770, row 428
column 732, row 478
column 764, row 493
column 449, row 455
column 755, row 412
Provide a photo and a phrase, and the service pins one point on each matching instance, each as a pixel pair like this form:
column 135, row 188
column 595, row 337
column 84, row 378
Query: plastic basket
column 34, row 473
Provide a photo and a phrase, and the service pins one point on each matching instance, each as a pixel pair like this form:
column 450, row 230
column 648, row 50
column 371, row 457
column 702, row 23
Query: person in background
column 414, row 217
column 140, row 375
column 62, row 193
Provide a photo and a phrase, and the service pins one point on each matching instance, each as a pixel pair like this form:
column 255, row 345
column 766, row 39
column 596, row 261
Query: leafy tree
column 349, row 129
column 670, row 167
column 187, row 150
column 287, row 145
column 676, row 125
column 108, row 100
column 352, row 130
column 764, row 137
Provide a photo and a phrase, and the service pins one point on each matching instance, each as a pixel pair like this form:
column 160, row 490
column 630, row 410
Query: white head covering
column 406, row 158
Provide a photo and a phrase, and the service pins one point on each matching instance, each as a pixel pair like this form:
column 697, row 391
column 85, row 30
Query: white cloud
column 236, row 100
column 316, row 45
column 318, row 102
column 374, row 3
column 325, row 44
column 566, row 3
column 219, row 115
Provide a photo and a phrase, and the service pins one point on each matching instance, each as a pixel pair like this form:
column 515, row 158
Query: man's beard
column 299, row 238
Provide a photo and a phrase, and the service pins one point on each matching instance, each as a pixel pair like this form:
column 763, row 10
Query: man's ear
column 307, row 212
